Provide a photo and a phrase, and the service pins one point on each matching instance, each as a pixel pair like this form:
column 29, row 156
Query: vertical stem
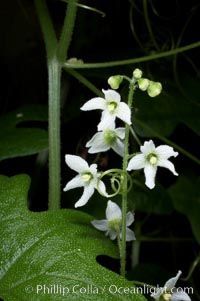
column 125, row 185
column 56, row 53
column 54, row 74
column 67, row 30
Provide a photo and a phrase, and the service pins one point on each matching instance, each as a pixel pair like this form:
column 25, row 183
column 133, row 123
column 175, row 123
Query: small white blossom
column 87, row 177
column 106, row 139
column 112, row 107
column 150, row 158
column 113, row 222
column 169, row 292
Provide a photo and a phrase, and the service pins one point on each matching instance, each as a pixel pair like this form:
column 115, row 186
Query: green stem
column 47, row 28
column 84, row 81
column 56, row 55
column 125, row 185
column 54, row 74
column 135, row 60
column 67, row 31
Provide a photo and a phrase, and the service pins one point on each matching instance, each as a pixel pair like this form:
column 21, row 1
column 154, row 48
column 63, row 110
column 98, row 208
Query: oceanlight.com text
column 77, row 289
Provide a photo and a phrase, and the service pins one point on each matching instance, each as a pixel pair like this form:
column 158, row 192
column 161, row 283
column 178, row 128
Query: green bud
column 143, row 84
column 137, row 73
column 115, row 81
column 154, row 89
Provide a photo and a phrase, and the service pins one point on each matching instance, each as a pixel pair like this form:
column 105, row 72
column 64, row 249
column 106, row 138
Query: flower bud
column 143, row 84
column 137, row 73
column 154, row 89
column 115, row 81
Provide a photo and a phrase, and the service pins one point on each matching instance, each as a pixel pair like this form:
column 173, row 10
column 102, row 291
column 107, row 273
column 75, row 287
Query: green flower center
column 110, row 137
column 112, row 106
column 166, row 296
column 115, row 224
column 153, row 159
column 87, row 177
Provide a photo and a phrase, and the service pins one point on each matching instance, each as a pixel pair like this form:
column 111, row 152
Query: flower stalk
column 125, row 184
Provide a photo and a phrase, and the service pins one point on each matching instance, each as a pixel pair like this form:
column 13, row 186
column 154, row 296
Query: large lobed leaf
column 18, row 140
column 52, row 255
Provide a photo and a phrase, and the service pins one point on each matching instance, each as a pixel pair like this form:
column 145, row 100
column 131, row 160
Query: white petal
column 112, row 234
column 137, row 162
column 100, row 225
column 150, row 174
column 124, row 112
column 157, row 294
column 87, row 193
column 111, row 95
column 118, row 147
column 167, row 164
column 129, row 218
column 172, row 281
column 165, row 152
column 94, row 104
column 130, row 235
column 102, row 188
column 93, row 169
column 76, row 163
column 120, row 133
column 113, row 211
column 97, row 144
column 148, row 147
column 74, row 183
column 180, row 296
column 107, row 121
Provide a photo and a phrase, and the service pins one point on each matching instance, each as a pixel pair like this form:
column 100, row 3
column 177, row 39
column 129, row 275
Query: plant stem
column 135, row 60
column 84, row 81
column 47, row 28
column 67, row 31
column 125, row 184
column 56, row 55
column 54, row 74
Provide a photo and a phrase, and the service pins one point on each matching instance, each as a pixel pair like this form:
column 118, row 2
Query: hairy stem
column 125, row 185
column 56, row 55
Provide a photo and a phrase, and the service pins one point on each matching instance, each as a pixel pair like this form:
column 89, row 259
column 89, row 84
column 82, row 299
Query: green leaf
column 18, row 140
column 186, row 198
column 52, row 255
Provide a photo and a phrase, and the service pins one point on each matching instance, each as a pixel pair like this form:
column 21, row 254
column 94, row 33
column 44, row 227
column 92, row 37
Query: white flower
column 113, row 222
column 150, row 158
column 106, row 139
column 169, row 292
column 87, row 178
column 111, row 106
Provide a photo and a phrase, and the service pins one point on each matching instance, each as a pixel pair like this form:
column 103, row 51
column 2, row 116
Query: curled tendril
column 117, row 178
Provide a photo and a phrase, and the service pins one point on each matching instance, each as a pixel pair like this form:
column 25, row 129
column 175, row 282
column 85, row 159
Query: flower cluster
column 109, row 136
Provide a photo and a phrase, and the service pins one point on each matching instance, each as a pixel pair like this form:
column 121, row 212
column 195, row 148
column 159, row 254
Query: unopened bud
column 154, row 89
column 137, row 73
column 143, row 84
column 115, row 81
